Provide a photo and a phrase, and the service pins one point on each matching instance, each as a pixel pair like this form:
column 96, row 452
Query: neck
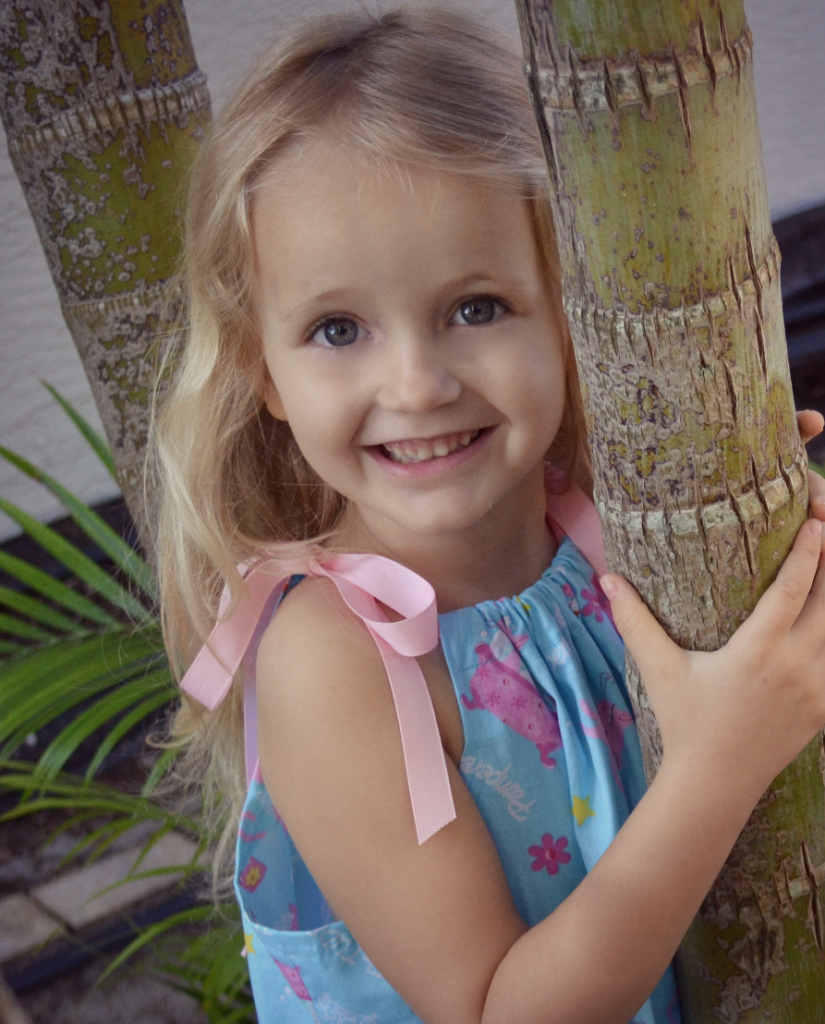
column 501, row 555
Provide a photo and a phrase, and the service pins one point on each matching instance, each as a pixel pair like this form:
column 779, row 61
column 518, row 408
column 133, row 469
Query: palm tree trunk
column 103, row 107
column 671, row 288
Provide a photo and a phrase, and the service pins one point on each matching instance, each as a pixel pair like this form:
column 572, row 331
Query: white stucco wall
column 35, row 345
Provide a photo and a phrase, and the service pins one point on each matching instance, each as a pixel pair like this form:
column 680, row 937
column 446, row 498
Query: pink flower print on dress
column 252, row 875
column 597, row 603
column 499, row 687
column 570, row 594
column 296, row 982
column 609, row 724
column 550, row 854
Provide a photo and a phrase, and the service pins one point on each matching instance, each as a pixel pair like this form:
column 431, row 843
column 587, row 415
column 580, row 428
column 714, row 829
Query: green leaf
column 147, row 847
column 48, row 586
column 99, row 713
column 68, row 792
column 227, row 969
column 87, row 430
column 159, row 769
column 111, row 543
column 195, row 915
column 19, row 627
column 36, row 678
column 143, row 710
column 84, row 568
column 99, row 840
column 38, row 688
column 34, row 609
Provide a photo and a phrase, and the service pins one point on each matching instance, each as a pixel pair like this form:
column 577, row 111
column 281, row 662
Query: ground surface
column 126, row 998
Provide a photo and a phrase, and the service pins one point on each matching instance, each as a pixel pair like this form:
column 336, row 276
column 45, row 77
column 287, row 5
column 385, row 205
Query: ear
column 272, row 400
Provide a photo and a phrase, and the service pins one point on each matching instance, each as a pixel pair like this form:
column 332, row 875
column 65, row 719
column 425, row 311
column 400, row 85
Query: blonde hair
column 414, row 85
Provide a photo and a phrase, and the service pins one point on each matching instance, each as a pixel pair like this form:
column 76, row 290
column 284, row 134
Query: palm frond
column 39, row 687
column 19, row 627
column 79, row 564
column 65, row 654
column 159, row 769
column 24, row 604
column 207, row 966
column 83, row 799
column 96, row 442
column 110, row 543
column 42, row 583
column 193, row 916
column 141, row 712
column 128, row 696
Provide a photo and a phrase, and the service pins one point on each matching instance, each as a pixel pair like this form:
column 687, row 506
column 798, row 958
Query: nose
column 416, row 375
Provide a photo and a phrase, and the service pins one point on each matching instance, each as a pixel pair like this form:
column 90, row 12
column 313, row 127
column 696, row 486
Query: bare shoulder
column 323, row 698
column 314, row 644
column 310, row 610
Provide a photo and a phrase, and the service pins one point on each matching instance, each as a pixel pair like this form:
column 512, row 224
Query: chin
column 443, row 522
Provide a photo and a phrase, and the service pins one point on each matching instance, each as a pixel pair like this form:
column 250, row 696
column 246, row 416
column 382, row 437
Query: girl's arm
column 438, row 920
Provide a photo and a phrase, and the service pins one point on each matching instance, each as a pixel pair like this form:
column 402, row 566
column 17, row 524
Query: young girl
column 445, row 818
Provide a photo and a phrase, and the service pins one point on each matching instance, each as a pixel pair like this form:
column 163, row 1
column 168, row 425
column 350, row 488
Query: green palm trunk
column 103, row 107
column 671, row 288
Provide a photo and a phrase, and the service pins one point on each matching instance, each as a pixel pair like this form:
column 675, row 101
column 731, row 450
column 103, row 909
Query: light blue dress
column 551, row 758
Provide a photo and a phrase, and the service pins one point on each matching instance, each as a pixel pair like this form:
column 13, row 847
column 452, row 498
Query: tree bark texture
column 671, row 288
column 103, row 107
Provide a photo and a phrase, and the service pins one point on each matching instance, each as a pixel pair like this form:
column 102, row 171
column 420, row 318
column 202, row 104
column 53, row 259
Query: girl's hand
column 810, row 425
column 748, row 709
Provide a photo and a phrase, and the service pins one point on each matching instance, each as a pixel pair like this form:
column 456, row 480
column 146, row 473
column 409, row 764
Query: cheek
column 272, row 400
column 544, row 397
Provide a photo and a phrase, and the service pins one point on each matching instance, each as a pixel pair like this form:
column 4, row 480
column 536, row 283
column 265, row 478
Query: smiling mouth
column 427, row 449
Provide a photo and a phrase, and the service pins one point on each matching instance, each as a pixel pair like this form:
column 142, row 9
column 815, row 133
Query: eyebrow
column 331, row 297
column 344, row 295
column 477, row 277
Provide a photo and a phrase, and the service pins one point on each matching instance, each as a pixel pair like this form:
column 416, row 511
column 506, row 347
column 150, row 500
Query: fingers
column 652, row 649
column 811, row 621
column 816, row 491
column 810, row 424
column 783, row 601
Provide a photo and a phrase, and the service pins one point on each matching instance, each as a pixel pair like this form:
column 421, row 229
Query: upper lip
column 412, row 439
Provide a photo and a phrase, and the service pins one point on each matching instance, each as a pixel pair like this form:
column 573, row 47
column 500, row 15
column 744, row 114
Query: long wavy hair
column 415, row 85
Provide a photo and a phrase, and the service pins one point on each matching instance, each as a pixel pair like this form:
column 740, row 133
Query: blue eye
column 336, row 331
column 481, row 309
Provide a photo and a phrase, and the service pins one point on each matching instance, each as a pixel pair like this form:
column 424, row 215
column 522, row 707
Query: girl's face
column 411, row 341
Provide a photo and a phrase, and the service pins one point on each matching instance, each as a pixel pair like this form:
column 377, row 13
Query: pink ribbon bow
column 362, row 581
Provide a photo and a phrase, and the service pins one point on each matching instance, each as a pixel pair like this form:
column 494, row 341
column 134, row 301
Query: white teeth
column 424, row 451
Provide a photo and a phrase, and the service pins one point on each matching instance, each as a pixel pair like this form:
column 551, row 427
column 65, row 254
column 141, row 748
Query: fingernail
column 814, row 525
column 609, row 586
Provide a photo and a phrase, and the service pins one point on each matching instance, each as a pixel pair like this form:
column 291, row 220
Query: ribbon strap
column 362, row 580
column 574, row 514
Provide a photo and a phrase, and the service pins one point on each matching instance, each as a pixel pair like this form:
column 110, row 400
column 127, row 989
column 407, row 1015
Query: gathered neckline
column 567, row 550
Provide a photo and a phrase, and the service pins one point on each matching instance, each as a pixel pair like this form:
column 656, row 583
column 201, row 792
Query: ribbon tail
column 576, row 515
column 424, row 758
column 209, row 677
